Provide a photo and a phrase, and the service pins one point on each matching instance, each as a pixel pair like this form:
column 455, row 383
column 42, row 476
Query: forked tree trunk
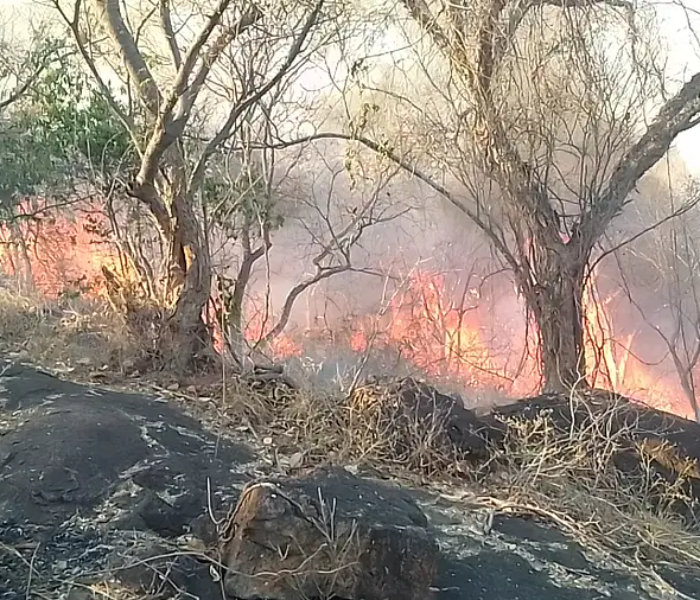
column 191, row 338
column 556, row 301
column 187, row 338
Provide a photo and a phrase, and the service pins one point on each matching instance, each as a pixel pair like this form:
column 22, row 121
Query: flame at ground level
column 425, row 324
column 54, row 252
column 446, row 339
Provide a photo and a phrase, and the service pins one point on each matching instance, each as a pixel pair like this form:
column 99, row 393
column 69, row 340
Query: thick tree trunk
column 187, row 339
column 556, row 301
column 191, row 338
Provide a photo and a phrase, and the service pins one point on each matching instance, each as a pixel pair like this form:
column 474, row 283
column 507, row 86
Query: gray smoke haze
column 435, row 237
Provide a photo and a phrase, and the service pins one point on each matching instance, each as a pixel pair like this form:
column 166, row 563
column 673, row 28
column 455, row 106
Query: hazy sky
column 679, row 28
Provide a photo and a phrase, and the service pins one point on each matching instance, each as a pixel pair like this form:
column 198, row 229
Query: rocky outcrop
column 93, row 479
column 104, row 494
column 419, row 413
column 68, row 450
column 329, row 535
column 648, row 443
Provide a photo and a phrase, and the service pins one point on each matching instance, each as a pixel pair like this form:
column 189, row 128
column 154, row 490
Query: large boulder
column 66, row 449
column 90, row 475
column 106, row 494
column 330, row 534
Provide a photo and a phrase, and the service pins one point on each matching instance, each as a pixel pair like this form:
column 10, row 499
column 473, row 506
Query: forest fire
column 425, row 324
column 55, row 254
column 447, row 339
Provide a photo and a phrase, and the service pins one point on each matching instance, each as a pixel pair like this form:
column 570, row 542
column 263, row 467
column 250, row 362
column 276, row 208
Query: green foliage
column 59, row 133
column 24, row 166
column 74, row 120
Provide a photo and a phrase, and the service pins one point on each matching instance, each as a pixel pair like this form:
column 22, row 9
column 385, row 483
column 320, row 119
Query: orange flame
column 444, row 339
column 259, row 323
column 440, row 336
column 56, row 254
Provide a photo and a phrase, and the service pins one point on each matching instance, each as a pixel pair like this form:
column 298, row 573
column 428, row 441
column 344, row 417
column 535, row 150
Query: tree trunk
column 684, row 369
column 26, row 276
column 191, row 338
column 555, row 296
column 187, row 339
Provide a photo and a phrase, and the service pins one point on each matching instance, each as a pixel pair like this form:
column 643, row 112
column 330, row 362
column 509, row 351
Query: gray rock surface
column 98, row 486
column 86, row 474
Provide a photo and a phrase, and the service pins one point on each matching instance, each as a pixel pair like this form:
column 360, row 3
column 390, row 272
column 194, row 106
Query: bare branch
column 207, row 61
column 298, row 290
column 676, row 116
column 170, row 127
column 169, row 31
column 73, row 23
column 488, row 226
column 23, row 86
column 111, row 17
column 244, row 104
column 587, row 3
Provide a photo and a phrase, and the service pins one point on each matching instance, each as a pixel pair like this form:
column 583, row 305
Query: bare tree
column 535, row 126
column 330, row 212
column 22, row 62
column 662, row 281
column 166, row 57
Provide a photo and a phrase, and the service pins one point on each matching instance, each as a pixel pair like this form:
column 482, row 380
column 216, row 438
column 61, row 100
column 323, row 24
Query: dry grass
column 66, row 333
column 369, row 427
column 572, row 475
column 568, row 475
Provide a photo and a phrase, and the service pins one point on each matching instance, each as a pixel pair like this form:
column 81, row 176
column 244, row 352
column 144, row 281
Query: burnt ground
column 98, row 486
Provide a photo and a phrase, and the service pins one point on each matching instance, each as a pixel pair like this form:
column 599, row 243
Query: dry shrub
column 144, row 316
column 65, row 331
column 120, row 330
column 371, row 426
column 298, row 418
column 388, row 428
column 568, row 472
column 573, row 472
column 146, row 309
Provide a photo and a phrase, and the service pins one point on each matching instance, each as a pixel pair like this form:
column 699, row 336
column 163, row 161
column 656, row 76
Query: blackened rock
column 646, row 438
column 86, row 472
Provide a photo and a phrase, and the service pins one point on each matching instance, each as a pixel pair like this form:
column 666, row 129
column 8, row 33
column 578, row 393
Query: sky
column 678, row 27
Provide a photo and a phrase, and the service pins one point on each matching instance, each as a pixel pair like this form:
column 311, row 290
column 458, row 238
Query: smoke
column 433, row 236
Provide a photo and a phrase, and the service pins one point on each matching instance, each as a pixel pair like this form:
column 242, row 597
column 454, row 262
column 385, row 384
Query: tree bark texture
column 554, row 294
column 190, row 277
column 189, row 273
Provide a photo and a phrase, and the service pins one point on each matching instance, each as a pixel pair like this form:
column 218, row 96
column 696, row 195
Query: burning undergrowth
column 459, row 331
column 597, row 476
